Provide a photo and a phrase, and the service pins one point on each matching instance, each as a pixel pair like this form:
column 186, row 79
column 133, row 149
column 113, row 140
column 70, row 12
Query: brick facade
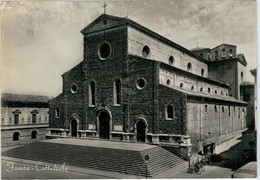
column 149, row 109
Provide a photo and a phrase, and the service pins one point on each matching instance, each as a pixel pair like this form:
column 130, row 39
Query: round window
column 104, row 51
column 74, row 88
column 146, row 51
column 140, row 84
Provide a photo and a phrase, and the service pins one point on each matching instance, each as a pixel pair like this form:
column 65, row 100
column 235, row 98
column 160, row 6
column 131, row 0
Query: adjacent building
column 136, row 85
column 248, row 95
column 24, row 118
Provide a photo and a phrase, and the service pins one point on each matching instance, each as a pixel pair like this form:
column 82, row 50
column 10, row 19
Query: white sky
column 42, row 40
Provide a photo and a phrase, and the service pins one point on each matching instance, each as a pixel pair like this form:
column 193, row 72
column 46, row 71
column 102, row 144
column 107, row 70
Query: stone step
column 116, row 160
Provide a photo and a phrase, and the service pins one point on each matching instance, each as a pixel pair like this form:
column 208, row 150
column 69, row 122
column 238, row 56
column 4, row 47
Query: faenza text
column 10, row 167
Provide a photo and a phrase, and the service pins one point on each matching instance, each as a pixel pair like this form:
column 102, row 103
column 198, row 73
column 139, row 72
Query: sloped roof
column 205, row 95
column 253, row 72
column 75, row 67
column 125, row 21
column 199, row 49
column 224, row 45
column 8, row 97
column 247, row 83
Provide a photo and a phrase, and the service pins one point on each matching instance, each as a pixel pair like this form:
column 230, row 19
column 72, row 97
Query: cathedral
column 135, row 85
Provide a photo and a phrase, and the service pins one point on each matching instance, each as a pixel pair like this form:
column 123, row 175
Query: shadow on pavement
column 232, row 158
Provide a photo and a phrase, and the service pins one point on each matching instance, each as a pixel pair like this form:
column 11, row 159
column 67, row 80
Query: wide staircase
column 117, row 160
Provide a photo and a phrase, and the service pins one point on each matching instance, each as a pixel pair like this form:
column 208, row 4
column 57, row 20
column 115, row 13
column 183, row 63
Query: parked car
column 249, row 170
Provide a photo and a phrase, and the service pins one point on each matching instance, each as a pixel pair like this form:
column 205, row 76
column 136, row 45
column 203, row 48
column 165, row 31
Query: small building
column 254, row 73
column 24, row 118
column 247, row 95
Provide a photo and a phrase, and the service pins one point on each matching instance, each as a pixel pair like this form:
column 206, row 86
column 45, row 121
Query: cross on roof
column 105, row 5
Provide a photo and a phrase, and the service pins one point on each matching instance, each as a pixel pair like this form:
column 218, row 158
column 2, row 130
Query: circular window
column 73, row 88
column 146, row 51
column 168, row 82
column 171, row 60
column 104, row 51
column 140, row 84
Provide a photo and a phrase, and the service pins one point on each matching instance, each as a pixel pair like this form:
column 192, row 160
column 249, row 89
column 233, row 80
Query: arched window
column 57, row 112
column 189, row 66
column 169, row 112
column 228, row 110
column 146, row 51
column 171, row 60
column 92, row 93
column 215, row 108
column 201, row 89
column 216, row 92
column 223, row 53
column 209, row 90
column 181, row 85
column 206, row 108
column 168, row 82
column 221, row 93
column 16, row 136
column 117, row 92
column 242, row 76
column 234, row 111
column 216, row 55
column 230, row 53
column 223, row 109
column 192, row 88
column 209, row 56
column 238, row 112
column 202, row 72
column 34, row 135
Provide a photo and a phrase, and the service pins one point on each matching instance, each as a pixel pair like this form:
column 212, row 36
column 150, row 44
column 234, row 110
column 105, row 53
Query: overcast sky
column 42, row 40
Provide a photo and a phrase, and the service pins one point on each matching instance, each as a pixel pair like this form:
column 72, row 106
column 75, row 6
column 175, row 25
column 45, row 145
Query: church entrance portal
column 140, row 135
column 74, row 130
column 104, row 125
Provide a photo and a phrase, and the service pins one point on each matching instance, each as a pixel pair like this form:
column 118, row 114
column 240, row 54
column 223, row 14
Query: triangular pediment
column 102, row 21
